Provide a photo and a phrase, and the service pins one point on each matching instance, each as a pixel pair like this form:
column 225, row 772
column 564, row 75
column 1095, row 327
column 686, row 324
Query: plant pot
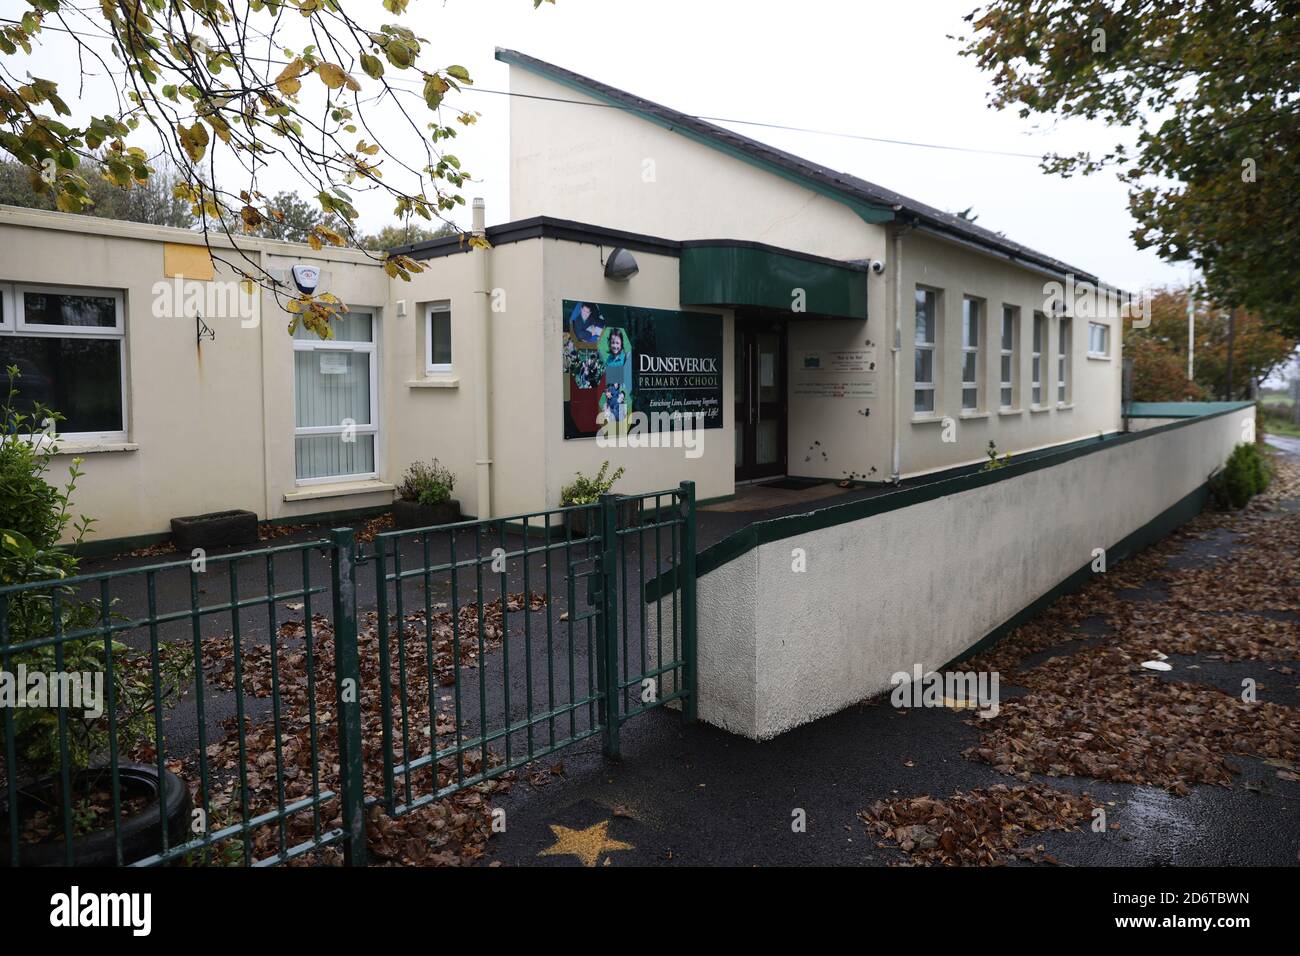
column 216, row 530
column 412, row 514
column 141, row 832
column 583, row 522
column 584, row 406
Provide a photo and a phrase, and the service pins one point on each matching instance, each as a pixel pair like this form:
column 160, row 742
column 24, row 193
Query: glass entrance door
column 760, row 400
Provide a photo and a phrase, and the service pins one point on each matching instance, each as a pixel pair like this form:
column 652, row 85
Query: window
column 437, row 337
column 972, row 318
column 1008, row 370
column 336, row 401
column 926, row 318
column 68, row 346
column 1062, row 360
column 1099, row 339
column 1036, row 376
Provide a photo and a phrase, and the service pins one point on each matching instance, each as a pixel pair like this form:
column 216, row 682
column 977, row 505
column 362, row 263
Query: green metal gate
column 423, row 663
column 573, row 654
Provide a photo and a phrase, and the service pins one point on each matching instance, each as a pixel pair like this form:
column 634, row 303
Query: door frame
column 748, row 411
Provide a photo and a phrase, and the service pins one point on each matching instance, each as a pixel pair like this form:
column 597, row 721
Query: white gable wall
column 613, row 168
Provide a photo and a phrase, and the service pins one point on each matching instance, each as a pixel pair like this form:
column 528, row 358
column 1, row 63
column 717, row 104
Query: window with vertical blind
column 336, row 413
column 68, row 346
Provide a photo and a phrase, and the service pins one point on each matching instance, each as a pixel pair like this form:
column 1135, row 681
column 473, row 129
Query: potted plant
column 585, row 490
column 33, row 517
column 424, row 496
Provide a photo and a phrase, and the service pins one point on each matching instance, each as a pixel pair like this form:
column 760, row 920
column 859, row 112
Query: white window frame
column 971, row 306
column 1105, row 338
column 1036, row 344
column 430, row 367
column 15, row 323
column 1008, row 386
column 372, row 428
column 1064, row 335
column 931, row 346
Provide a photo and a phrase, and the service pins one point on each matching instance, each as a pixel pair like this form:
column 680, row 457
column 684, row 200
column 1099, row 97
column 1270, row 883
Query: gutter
column 895, row 357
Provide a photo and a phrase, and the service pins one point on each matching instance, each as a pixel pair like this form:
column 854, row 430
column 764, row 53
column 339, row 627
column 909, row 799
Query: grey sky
column 884, row 69
column 865, row 67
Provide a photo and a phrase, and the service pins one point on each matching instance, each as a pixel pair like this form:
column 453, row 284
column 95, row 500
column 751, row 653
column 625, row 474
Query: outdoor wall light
column 621, row 265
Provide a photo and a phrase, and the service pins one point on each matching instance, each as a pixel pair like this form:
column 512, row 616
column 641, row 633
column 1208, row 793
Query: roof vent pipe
column 480, row 216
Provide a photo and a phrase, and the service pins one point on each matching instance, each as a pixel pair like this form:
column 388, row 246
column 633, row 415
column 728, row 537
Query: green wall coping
column 1182, row 409
column 946, row 483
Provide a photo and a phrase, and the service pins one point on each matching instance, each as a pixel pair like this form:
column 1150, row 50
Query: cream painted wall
column 625, row 172
column 194, row 411
column 922, row 584
column 574, row 271
column 433, row 415
column 852, row 443
column 957, row 271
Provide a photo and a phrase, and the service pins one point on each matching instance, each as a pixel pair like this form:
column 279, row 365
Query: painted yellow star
column 587, row 845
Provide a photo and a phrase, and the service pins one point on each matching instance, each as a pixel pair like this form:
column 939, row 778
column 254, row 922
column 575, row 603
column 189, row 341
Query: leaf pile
column 1097, row 713
column 451, row 831
column 983, row 827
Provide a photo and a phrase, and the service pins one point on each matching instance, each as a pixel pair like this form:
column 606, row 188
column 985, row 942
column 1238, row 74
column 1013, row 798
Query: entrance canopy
column 744, row 274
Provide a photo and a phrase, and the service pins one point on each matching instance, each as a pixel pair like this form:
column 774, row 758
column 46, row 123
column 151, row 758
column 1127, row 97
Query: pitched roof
column 859, row 192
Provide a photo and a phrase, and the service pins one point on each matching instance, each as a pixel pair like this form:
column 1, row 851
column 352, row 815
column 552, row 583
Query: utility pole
column 1232, row 328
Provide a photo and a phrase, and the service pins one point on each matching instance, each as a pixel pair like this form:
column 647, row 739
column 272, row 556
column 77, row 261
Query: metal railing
column 464, row 651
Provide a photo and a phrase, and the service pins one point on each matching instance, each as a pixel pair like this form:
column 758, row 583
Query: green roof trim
column 869, row 212
column 735, row 274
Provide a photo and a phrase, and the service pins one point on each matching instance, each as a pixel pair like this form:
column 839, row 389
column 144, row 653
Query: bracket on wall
column 202, row 331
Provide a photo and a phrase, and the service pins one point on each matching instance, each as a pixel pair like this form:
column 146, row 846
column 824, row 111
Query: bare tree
column 231, row 92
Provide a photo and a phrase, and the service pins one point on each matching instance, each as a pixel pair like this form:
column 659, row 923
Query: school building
column 669, row 295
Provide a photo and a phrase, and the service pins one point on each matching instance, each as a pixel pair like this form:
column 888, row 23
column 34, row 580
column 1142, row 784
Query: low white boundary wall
column 923, row 582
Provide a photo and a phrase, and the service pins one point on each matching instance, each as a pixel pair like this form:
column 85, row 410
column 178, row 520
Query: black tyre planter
column 579, row 519
column 412, row 514
column 141, row 832
column 216, row 530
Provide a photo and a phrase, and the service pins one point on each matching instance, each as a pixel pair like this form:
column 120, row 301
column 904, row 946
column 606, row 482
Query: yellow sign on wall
column 192, row 262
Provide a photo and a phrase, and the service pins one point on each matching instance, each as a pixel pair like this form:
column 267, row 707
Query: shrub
column 33, row 517
column 428, row 483
column 1244, row 475
column 583, row 490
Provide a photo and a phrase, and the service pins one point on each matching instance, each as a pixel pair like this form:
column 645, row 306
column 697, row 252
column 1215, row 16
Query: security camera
column 878, row 266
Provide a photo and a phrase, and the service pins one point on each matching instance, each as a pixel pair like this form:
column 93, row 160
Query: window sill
column 1098, row 357
column 1064, row 406
column 74, row 448
column 972, row 415
column 927, row 419
column 312, row 492
column 1011, row 411
column 1038, row 409
column 446, row 382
